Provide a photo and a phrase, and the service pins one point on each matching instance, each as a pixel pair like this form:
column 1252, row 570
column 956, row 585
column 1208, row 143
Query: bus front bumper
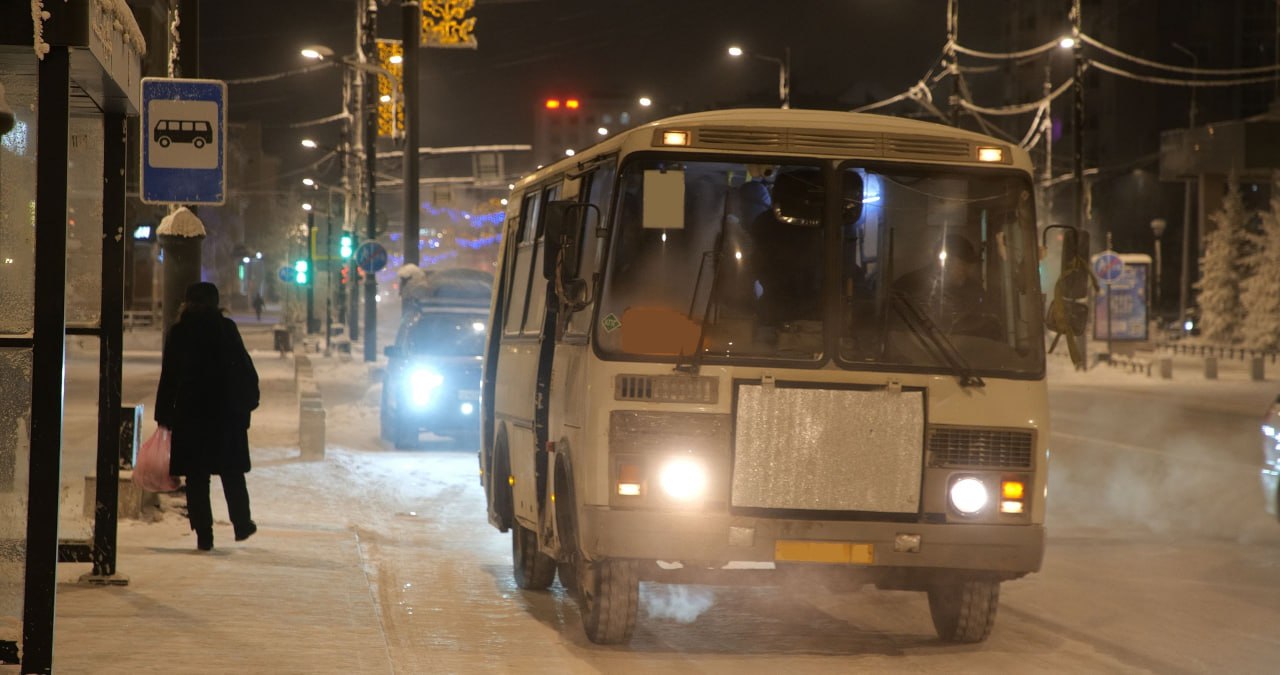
column 679, row 536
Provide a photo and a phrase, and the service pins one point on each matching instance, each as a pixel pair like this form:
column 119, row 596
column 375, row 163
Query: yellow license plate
column 834, row 552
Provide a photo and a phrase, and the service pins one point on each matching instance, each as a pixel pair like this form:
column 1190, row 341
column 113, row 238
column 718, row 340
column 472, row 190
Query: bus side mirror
column 1073, row 280
column 561, row 229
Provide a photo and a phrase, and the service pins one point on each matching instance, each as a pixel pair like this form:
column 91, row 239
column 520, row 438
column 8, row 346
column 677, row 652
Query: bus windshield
column 936, row 268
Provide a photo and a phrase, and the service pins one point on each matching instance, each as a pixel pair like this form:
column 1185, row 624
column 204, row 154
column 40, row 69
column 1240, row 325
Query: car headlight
column 683, row 479
column 969, row 495
column 423, row 383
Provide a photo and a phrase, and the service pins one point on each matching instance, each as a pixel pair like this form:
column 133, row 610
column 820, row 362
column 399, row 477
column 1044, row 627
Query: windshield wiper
column 695, row 362
column 924, row 328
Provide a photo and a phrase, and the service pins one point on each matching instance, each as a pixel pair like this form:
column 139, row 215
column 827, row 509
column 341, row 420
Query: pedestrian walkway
column 294, row 598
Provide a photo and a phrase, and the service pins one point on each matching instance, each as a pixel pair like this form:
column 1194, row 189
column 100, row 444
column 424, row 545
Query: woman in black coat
column 208, row 386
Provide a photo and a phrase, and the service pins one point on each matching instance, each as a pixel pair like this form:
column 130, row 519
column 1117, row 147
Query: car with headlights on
column 1271, row 458
column 432, row 379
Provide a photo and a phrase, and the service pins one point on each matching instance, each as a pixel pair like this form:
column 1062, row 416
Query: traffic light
column 301, row 269
column 346, row 246
column 346, row 274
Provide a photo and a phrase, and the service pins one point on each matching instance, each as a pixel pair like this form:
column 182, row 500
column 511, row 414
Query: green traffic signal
column 300, row 267
column 345, row 246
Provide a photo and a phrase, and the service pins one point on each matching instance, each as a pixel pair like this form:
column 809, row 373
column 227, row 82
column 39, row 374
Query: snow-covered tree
column 1223, row 270
column 1260, row 293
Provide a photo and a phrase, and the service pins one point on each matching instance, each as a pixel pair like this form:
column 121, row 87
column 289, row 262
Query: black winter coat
column 208, row 386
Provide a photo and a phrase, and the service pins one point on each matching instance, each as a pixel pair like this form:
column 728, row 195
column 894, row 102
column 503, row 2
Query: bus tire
column 406, row 433
column 964, row 610
column 164, row 141
column 533, row 570
column 199, row 143
column 609, row 599
column 565, row 508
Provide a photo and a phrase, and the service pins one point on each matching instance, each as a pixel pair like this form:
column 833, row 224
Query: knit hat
column 202, row 293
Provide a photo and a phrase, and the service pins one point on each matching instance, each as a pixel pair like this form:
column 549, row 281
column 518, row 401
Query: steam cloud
column 683, row 604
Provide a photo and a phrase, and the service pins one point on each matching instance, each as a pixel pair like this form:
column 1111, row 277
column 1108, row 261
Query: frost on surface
column 17, row 209
column 38, row 17
column 113, row 17
column 84, row 220
column 1260, row 293
column 181, row 223
column 1223, row 271
column 15, row 448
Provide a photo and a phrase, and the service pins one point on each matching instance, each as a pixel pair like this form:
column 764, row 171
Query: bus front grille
column 976, row 446
column 804, row 447
column 666, row 388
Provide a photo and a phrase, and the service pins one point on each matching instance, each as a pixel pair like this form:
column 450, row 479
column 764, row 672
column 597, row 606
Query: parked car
column 1271, row 458
column 432, row 379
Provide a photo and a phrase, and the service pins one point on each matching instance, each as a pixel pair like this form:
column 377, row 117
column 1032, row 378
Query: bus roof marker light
column 990, row 154
column 572, row 104
column 553, row 104
column 675, row 138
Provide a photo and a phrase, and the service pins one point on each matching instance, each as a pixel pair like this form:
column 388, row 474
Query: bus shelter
column 70, row 72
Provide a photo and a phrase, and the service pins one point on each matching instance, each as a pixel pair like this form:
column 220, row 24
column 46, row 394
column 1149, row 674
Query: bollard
column 311, row 429
column 1257, row 369
column 1210, row 367
column 1166, row 368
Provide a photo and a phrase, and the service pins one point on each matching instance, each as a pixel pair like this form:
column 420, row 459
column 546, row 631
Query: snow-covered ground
column 380, row 561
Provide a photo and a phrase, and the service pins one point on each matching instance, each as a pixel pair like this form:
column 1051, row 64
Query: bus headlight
column 683, row 479
column 423, row 383
column 968, row 495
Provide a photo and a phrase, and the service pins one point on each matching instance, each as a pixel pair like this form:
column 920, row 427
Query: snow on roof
column 181, row 223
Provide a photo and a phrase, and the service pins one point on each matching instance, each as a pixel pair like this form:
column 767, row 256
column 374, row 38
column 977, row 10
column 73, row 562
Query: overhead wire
column 280, row 76
column 1153, row 79
column 1212, row 72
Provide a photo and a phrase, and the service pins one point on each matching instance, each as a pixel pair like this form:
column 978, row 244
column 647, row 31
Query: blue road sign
column 371, row 257
column 287, row 274
column 1126, row 298
column 1107, row 266
column 184, row 125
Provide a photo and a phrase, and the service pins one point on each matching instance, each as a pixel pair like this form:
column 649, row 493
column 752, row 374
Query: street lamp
column 784, row 71
column 645, row 101
column 321, row 52
column 308, row 143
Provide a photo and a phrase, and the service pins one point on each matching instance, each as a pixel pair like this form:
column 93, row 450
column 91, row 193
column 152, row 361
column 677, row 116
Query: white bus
column 796, row 344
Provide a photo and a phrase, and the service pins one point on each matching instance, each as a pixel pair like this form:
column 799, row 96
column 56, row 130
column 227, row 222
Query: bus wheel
column 534, row 570
column 164, row 141
column 608, row 597
column 199, row 143
column 964, row 610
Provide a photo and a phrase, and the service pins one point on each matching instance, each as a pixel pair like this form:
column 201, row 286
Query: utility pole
column 356, row 137
column 1077, row 123
column 311, row 270
column 371, row 178
column 411, row 18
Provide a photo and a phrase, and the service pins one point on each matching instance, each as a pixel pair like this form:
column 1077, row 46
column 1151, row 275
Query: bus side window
column 518, row 281
column 537, row 285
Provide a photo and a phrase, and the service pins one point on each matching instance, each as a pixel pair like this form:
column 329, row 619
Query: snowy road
column 1159, row 560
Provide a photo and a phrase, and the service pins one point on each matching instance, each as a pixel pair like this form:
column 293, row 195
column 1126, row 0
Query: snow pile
column 113, row 17
column 38, row 17
column 181, row 223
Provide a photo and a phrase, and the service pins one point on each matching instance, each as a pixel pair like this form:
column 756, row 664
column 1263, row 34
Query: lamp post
column 1158, row 226
column 1184, row 279
column 784, row 70
column 311, row 266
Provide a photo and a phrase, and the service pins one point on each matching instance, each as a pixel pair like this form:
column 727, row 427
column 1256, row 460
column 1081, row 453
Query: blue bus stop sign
column 371, row 257
column 184, row 124
column 287, row 274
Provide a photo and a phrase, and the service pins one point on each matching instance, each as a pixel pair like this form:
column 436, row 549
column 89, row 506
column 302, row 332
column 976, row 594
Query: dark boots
column 245, row 531
column 204, row 539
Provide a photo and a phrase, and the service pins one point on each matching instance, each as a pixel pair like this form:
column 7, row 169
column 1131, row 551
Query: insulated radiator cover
column 828, row 449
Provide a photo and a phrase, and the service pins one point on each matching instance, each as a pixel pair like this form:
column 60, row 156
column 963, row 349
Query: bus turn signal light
column 1011, row 489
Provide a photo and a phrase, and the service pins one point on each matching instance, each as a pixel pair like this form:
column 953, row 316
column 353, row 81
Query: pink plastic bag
column 151, row 471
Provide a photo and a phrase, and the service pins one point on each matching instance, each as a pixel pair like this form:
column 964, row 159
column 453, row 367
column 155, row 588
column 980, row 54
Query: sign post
column 184, row 124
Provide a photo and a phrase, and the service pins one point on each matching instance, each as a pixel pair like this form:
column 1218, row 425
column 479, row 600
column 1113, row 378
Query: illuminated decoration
column 391, row 57
column 445, row 24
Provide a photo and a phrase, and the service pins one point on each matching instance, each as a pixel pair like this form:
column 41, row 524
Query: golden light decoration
column 395, row 105
column 445, row 24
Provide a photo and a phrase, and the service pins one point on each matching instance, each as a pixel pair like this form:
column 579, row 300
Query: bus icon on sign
column 196, row 132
